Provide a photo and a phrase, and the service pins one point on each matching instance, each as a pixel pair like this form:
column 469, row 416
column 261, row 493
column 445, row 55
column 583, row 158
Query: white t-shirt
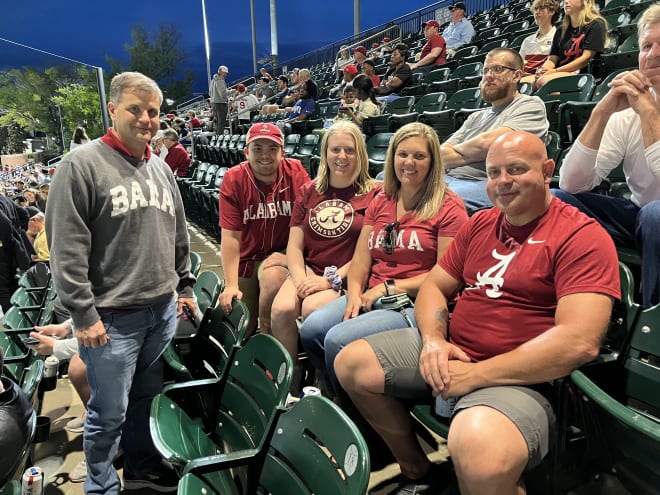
column 535, row 50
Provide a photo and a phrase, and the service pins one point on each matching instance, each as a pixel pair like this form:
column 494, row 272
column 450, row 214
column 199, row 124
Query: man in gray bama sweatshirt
column 119, row 254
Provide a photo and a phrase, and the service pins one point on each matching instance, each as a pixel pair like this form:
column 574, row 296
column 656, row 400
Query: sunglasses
column 389, row 241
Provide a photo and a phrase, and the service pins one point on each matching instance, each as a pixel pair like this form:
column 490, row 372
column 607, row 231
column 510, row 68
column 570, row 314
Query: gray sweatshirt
column 117, row 232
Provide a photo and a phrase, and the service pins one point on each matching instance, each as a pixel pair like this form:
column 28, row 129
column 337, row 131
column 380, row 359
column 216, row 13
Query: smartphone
column 30, row 340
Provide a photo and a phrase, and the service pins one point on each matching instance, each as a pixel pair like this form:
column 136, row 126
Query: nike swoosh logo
column 532, row 241
column 282, row 190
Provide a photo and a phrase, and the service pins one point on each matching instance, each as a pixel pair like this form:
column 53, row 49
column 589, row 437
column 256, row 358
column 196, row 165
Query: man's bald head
column 519, row 174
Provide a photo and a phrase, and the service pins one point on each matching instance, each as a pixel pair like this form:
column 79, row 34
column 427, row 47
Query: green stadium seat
column 620, row 408
column 206, row 353
column 314, row 449
column 377, row 146
column 206, row 417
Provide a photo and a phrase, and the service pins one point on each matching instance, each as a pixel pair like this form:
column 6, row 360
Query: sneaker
column 432, row 483
column 76, row 425
column 78, row 473
column 161, row 479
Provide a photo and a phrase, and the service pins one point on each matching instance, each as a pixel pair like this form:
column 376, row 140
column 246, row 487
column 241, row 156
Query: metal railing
column 400, row 26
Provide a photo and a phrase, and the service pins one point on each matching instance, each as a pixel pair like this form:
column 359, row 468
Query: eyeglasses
column 497, row 69
column 389, row 241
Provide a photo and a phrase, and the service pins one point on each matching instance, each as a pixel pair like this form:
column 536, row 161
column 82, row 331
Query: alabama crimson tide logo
column 331, row 218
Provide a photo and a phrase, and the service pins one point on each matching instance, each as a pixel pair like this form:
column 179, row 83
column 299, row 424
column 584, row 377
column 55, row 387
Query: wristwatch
column 389, row 287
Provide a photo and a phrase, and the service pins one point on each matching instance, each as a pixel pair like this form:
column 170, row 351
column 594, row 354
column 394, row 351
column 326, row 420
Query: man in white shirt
column 625, row 127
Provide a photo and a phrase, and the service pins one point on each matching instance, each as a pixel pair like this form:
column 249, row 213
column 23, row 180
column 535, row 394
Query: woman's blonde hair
column 363, row 183
column 587, row 14
column 430, row 197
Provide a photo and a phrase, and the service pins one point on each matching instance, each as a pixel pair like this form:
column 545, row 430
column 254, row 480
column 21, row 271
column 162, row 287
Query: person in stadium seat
column 624, row 128
column 36, row 232
column 325, row 224
column 552, row 271
column 359, row 56
column 464, row 153
column 177, row 157
column 15, row 414
column 256, row 201
column 434, row 52
column 460, row 31
column 580, row 38
column 219, row 99
column 303, row 108
column 15, row 248
column 407, row 228
column 193, row 122
column 119, row 254
column 56, row 340
column 282, row 93
column 343, row 58
column 243, row 104
column 369, row 69
column 369, row 105
column 536, row 47
column 397, row 77
column 301, row 76
column 264, row 92
column 264, row 74
column 348, row 73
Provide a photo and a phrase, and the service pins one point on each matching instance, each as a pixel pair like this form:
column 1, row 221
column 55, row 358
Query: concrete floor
column 64, row 450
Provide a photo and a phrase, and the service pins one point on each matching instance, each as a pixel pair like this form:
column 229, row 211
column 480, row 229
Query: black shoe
column 161, row 479
column 432, row 483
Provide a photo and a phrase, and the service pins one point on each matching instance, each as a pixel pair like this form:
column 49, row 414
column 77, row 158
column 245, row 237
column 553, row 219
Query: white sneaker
column 76, row 425
column 78, row 473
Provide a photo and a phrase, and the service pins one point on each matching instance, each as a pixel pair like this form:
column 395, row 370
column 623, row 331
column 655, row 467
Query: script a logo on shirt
column 331, row 218
column 494, row 276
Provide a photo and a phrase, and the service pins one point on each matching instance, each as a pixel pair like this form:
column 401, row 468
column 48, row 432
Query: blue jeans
column 472, row 192
column 324, row 333
column 124, row 376
column 629, row 226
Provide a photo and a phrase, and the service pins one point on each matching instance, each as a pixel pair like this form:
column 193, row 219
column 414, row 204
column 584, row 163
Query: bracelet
column 330, row 272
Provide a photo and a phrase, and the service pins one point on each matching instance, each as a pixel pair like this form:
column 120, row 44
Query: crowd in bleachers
column 490, row 135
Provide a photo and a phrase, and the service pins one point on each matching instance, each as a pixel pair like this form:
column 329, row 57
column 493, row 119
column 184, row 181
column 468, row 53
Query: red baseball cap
column 351, row 69
column 360, row 49
column 431, row 23
column 374, row 45
column 265, row 131
column 240, row 88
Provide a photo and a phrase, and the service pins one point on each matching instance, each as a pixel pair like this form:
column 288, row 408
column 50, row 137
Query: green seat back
column 577, row 87
column 643, row 362
column 431, row 102
column 207, row 288
column 189, row 421
column 206, row 354
column 195, row 262
column 315, row 449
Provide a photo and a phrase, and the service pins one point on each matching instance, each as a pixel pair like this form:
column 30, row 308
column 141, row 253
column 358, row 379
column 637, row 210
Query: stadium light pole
column 207, row 46
column 254, row 39
column 356, row 17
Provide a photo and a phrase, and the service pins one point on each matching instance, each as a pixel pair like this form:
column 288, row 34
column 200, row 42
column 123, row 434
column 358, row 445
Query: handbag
column 396, row 302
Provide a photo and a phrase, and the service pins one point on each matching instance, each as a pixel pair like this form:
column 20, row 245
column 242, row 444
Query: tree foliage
column 159, row 56
column 54, row 101
column 58, row 99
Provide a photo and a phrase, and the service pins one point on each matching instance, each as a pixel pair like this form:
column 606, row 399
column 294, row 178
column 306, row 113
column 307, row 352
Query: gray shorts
column 398, row 352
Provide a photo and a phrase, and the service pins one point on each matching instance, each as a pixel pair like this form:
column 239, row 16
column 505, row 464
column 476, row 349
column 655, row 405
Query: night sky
column 88, row 30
